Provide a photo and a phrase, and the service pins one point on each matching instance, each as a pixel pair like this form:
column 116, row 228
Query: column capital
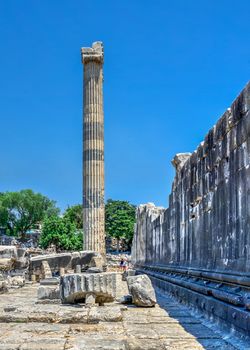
column 94, row 53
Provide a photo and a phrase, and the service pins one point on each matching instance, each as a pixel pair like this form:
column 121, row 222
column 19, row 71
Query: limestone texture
column 22, row 261
column 48, row 292
column 8, row 256
column 3, row 286
column 77, row 287
column 31, row 326
column 16, row 281
column 38, row 264
column 46, row 270
column 44, row 266
column 141, row 290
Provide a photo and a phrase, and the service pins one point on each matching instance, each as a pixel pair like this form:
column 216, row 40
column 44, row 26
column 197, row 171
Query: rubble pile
column 84, row 277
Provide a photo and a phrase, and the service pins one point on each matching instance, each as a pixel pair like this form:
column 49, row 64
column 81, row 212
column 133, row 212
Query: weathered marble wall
column 207, row 224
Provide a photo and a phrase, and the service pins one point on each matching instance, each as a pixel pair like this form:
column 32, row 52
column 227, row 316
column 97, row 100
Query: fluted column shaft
column 93, row 150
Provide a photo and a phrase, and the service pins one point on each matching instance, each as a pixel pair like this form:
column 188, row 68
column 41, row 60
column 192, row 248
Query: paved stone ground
column 168, row 326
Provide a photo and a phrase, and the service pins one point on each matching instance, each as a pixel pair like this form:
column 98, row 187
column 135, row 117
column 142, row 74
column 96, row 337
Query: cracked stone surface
column 167, row 326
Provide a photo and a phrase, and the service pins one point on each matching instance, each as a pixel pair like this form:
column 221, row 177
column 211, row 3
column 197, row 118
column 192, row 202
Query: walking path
column 168, row 326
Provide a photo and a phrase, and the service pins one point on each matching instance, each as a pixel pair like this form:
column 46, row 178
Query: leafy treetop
column 119, row 219
column 62, row 233
column 20, row 211
column 75, row 215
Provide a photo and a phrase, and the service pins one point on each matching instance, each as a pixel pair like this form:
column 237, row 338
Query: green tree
column 119, row 220
column 75, row 215
column 60, row 232
column 20, row 211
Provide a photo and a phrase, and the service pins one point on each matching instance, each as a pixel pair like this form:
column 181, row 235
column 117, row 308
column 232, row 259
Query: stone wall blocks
column 209, row 139
column 200, row 150
column 246, row 122
column 225, row 147
column 241, row 132
column 205, row 224
column 218, row 152
column 247, row 96
column 233, row 139
column 241, row 105
column 221, row 127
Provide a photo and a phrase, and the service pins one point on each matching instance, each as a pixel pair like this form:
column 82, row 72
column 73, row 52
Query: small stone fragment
column 52, row 281
column 90, row 299
column 48, row 292
column 78, row 268
column 9, row 308
column 142, row 291
column 16, row 281
column 94, row 270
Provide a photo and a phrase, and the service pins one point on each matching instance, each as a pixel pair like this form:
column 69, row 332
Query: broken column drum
column 93, row 149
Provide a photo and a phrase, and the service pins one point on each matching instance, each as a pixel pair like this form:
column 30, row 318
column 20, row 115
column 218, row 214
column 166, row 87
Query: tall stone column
column 93, row 149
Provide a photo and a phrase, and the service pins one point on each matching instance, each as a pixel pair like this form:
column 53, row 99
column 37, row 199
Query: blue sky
column 171, row 69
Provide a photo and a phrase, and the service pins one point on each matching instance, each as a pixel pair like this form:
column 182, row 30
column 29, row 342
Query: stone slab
column 50, row 281
column 140, row 328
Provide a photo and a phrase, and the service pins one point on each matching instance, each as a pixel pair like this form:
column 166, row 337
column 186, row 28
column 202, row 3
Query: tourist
column 125, row 265
column 122, row 263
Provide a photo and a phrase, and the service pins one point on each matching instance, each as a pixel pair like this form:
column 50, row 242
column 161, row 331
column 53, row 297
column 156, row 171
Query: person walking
column 121, row 264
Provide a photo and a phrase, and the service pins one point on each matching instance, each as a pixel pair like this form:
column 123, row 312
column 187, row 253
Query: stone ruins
column 93, row 149
column 198, row 249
